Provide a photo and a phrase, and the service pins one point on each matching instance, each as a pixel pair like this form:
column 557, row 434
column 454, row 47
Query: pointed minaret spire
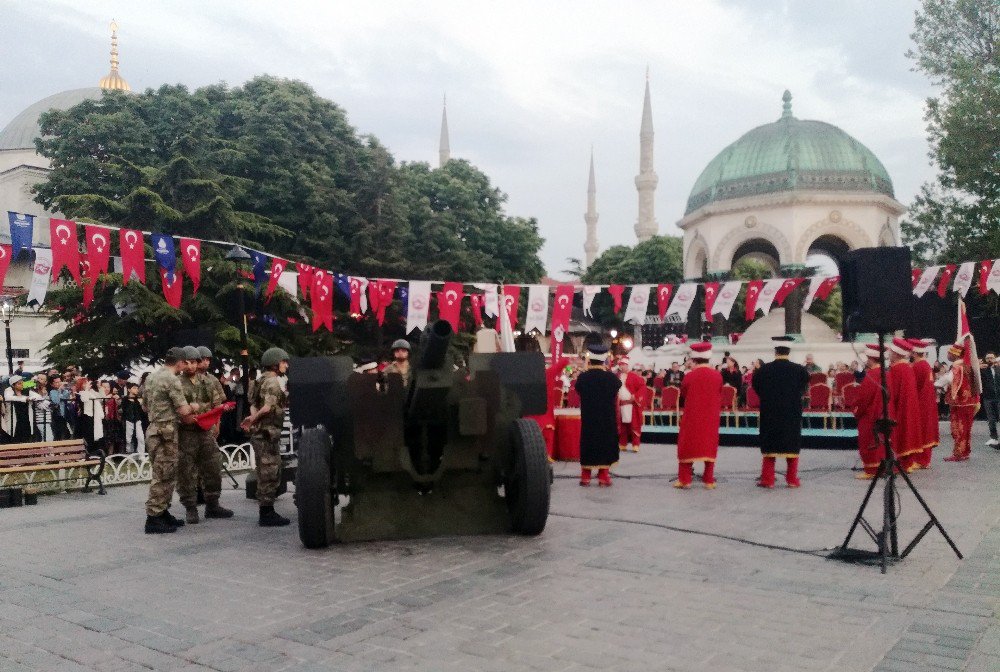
column 114, row 81
column 444, row 149
column 590, row 247
column 645, row 182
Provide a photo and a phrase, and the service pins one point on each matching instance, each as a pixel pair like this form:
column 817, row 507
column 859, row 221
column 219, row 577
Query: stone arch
column 849, row 232
column 722, row 258
column 886, row 237
column 696, row 258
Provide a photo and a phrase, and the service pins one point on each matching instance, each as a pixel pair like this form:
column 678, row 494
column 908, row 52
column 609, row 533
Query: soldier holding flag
column 966, row 386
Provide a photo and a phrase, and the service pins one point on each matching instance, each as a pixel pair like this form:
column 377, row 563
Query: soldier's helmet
column 204, row 352
column 400, row 344
column 273, row 357
column 175, row 353
column 191, row 353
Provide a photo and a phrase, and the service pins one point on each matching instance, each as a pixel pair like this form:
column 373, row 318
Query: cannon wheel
column 528, row 484
column 313, row 496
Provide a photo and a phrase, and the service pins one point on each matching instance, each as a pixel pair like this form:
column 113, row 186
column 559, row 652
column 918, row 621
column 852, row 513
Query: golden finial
column 114, row 81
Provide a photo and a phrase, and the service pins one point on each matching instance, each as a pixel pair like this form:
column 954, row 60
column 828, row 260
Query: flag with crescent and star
column 638, row 301
column 511, row 301
column 163, row 252
column 322, row 300
column 449, row 303
column 172, row 286
column 711, row 295
column 22, row 231
column 787, row 287
column 985, row 267
column 5, row 256
column 191, row 256
column 277, row 268
column 306, row 273
column 88, row 281
column 133, row 255
column 98, row 249
column 562, row 308
column 65, row 248
column 915, row 276
column 949, row 271
column 476, row 301
column 753, row 293
column 663, row 293
column 380, row 293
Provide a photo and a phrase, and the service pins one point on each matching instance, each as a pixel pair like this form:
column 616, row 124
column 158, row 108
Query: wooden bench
column 53, row 456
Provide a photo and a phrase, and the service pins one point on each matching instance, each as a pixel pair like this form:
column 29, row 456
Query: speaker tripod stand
column 887, row 538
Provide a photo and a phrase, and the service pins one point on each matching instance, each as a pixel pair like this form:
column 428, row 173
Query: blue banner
column 22, row 228
column 260, row 269
column 343, row 283
column 163, row 252
column 404, row 295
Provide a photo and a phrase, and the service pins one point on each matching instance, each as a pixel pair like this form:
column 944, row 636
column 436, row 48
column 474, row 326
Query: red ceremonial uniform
column 698, row 439
column 547, row 421
column 867, row 411
column 904, row 410
column 927, row 398
column 963, row 404
column 632, row 394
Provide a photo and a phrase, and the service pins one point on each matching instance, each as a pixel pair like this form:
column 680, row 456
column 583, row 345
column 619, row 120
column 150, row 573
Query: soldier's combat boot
column 191, row 515
column 270, row 518
column 158, row 525
column 213, row 510
column 176, row 522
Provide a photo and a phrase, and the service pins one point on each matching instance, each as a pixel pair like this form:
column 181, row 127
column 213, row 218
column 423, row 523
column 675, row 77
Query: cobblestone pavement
column 607, row 585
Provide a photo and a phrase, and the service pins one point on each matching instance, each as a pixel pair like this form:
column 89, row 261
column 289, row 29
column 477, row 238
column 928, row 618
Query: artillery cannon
column 450, row 454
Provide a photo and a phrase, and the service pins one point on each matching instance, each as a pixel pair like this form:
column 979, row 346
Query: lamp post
column 7, row 312
column 240, row 256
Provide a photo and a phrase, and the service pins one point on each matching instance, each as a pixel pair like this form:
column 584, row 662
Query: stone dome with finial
column 787, row 155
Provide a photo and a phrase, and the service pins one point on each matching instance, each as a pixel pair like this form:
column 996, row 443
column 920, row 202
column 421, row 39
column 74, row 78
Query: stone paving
column 636, row 577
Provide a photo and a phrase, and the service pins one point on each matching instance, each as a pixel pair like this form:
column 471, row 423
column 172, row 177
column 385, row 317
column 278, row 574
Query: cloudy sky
column 530, row 86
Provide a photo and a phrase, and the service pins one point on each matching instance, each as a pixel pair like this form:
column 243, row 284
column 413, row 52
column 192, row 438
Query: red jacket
column 636, row 386
column 904, row 409
column 927, row 398
column 867, row 411
column 701, row 399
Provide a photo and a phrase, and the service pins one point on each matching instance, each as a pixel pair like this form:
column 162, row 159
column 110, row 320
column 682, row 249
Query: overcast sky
column 530, row 85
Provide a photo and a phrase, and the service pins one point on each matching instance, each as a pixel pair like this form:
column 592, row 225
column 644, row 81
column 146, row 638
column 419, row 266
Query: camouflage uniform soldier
column 199, row 455
column 401, row 360
column 268, row 401
column 165, row 403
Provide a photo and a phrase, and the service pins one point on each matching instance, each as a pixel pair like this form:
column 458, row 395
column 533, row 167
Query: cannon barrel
column 435, row 345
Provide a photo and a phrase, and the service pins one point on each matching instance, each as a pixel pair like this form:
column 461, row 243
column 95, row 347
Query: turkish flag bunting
column 5, row 253
column 616, row 293
column 380, row 293
column 87, row 281
column 133, row 255
column 359, row 304
column 171, row 290
column 826, row 287
column 787, row 288
column 449, row 301
column 511, row 299
column 191, row 255
column 277, row 268
column 711, row 294
column 984, row 276
column 949, row 271
column 561, row 309
column 915, row 276
column 753, row 293
column 306, row 273
column 322, row 300
column 65, row 248
column 663, row 293
column 98, row 249
column 477, row 309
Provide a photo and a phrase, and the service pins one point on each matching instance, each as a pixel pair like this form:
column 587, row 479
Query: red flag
column 133, row 255
column 787, row 288
column 511, row 299
column 87, row 280
column 191, row 255
column 970, row 357
column 380, row 293
column 322, row 300
column 949, row 271
column 663, row 293
column 98, row 249
column 5, row 252
column 172, row 290
column 711, row 294
column 449, row 302
column 277, row 268
column 65, row 248
column 915, row 276
column 562, row 306
column 825, row 287
column 306, row 273
column 477, row 309
column 616, row 293
column 357, row 294
column 984, row 276
column 753, row 293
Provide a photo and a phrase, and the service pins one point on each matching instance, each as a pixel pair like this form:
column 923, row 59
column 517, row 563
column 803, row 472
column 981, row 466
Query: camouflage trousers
column 267, row 453
column 161, row 444
column 199, row 458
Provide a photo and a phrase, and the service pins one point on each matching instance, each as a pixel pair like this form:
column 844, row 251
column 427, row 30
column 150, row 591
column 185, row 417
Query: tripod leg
column 933, row 518
column 861, row 512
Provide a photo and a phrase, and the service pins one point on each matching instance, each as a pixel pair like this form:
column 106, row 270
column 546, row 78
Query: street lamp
column 240, row 256
column 6, row 313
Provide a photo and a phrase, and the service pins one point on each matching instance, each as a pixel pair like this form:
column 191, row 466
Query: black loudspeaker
column 877, row 290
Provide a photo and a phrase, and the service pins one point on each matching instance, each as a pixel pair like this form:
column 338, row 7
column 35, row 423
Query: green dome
column 788, row 155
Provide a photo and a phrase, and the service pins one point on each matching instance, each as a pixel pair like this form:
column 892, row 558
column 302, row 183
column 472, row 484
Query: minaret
column 114, row 81
column 590, row 247
column 645, row 182
column 444, row 149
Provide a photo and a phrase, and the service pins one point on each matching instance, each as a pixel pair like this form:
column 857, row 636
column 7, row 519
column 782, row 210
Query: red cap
column 901, row 346
column 701, row 350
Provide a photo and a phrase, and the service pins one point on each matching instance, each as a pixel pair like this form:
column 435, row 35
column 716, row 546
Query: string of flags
column 315, row 287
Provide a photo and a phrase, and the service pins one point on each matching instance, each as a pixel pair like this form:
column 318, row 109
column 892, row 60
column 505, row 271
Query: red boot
column 584, row 476
column 792, row 474
column 708, row 477
column 766, row 479
column 604, row 478
column 685, row 474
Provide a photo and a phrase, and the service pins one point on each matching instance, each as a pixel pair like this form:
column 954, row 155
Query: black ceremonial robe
column 598, row 390
column 780, row 385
